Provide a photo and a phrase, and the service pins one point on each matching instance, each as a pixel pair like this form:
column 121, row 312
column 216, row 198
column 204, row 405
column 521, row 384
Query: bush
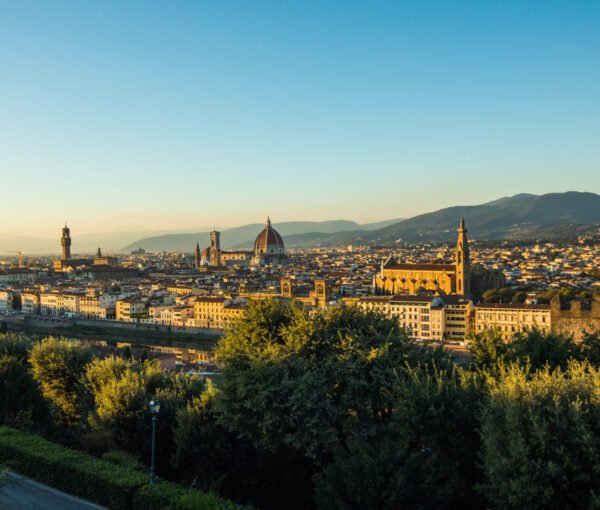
column 160, row 496
column 58, row 367
column 124, row 459
column 15, row 345
column 541, row 438
column 107, row 483
column 74, row 472
column 170, row 496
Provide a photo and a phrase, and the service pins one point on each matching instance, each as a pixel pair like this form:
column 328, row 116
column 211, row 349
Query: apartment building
column 509, row 319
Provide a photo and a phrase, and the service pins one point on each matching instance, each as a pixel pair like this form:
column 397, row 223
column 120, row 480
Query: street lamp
column 154, row 407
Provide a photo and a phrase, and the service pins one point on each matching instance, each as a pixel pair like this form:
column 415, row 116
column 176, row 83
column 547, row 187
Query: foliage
column 590, row 348
column 295, row 382
column 124, row 459
column 425, row 457
column 541, row 438
column 120, row 391
column 74, row 472
column 21, row 403
column 15, row 345
column 58, row 366
column 169, row 496
column 488, row 349
column 534, row 348
column 502, row 295
column 304, row 387
column 538, row 349
column 98, row 480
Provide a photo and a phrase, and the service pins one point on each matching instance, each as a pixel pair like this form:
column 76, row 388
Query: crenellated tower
column 65, row 242
column 463, row 260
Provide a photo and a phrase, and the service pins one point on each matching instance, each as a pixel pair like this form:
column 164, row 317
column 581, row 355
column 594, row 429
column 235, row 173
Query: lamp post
column 154, row 407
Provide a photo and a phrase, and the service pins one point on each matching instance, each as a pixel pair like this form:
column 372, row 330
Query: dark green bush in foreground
column 98, row 480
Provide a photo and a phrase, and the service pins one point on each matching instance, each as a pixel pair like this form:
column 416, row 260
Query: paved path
column 20, row 493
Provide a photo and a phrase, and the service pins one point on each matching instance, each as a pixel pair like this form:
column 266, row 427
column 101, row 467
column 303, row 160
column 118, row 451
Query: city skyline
column 223, row 114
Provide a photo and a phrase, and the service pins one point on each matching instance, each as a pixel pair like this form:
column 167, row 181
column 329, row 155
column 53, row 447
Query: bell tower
column 197, row 256
column 463, row 259
column 65, row 242
column 215, row 248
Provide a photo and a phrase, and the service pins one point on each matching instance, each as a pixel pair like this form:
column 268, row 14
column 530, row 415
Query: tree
column 519, row 297
column 488, row 349
column 538, row 349
column 307, row 386
column 21, row 403
column 541, row 438
column 213, row 457
column 15, row 345
column 590, row 348
column 58, row 367
column 533, row 348
column 425, row 457
column 120, row 390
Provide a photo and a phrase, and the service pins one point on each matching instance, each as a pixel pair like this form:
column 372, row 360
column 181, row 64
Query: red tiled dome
column 268, row 241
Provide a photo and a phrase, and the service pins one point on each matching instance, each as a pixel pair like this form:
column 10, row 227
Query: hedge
column 170, row 496
column 100, row 481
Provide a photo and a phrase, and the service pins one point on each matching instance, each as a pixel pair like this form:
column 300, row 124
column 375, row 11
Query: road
column 20, row 493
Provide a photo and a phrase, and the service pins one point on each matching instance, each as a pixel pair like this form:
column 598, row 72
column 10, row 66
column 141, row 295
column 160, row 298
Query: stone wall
column 577, row 319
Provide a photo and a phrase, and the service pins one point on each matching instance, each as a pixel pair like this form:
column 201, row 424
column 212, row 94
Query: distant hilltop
column 524, row 216
column 520, row 217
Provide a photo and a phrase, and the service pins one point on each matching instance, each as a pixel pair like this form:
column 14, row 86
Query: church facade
column 459, row 278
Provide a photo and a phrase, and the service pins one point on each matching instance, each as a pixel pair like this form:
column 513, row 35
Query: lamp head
column 154, row 406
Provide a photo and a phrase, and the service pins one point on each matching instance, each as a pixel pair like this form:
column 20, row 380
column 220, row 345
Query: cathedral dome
column 268, row 242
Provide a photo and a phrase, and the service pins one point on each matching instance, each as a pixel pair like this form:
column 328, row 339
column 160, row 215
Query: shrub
column 15, row 345
column 169, row 496
column 124, row 459
column 541, row 438
column 160, row 496
column 69, row 470
column 109, row 483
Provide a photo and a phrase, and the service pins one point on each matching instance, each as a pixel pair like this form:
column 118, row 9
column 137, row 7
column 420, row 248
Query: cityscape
column 207, row 290
column 300, row 256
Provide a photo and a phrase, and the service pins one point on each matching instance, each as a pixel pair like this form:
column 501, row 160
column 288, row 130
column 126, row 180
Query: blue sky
column 159, row 115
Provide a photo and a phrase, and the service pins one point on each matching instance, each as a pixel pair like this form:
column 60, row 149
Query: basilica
column 268, row 250
column 459, row 278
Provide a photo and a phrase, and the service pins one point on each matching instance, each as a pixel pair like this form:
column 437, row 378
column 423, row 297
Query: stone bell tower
column 215, row 248
column 463, row 260
column 65, row 242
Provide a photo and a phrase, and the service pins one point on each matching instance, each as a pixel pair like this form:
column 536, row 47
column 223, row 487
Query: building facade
column 449, row 279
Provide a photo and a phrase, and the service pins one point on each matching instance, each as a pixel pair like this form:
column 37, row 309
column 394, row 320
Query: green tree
column 120, row 391
column 533, row 348
column 15, row 345
column 590, row 348
column 537, row 348
column 519, row 297
column 58, row 367
column 215, row 458
column 304, row 386
column 425, row 457
column 21, row 403
column 488, row 349
column 541, row 438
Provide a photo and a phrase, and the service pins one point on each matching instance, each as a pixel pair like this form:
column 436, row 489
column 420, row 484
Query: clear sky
column 154, row 115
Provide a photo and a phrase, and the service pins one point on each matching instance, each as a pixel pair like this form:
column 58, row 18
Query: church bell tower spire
column 463, row 260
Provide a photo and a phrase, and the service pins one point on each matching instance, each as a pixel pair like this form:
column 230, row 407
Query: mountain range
column 243, row 237
column 520, row 217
